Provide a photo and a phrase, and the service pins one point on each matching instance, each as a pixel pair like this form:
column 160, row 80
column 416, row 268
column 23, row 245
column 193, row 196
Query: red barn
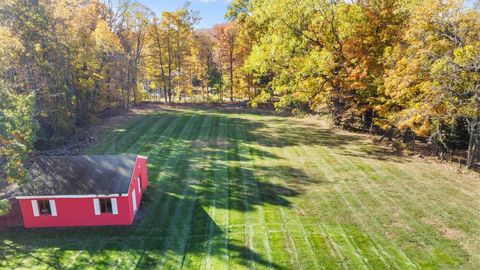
column 84, row 191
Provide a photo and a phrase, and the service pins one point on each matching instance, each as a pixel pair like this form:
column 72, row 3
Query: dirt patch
column 445, row 231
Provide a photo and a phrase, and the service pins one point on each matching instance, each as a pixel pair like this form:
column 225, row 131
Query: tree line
column 61, row 64
column 405, row 67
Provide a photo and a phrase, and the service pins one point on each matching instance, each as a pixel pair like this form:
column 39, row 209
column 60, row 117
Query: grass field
column 243, row 190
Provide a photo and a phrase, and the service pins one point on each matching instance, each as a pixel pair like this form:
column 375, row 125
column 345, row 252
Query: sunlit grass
column 242, row 190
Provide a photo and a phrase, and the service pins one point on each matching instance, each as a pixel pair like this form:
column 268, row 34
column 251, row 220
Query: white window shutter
column 53, row 207
column 114, row 206
column 35, row 208
column 96, row 206
column 138, row 182
column 134, row 201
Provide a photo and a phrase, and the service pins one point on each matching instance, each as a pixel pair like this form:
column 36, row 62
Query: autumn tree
column 170, row 43
column 434, row 79
column 155, row 58
column 226, row 35
column 73, row 56
column 132, row 35
column 204, row 59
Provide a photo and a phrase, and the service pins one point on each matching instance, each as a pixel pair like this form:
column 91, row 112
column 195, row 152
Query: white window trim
column 138, row 183
column 36, row 213
column 134, row 201
column 53, row 208
column 114, row 206
column 96, row 207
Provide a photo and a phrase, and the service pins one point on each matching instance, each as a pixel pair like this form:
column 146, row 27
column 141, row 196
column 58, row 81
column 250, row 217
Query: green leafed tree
column 17, row 132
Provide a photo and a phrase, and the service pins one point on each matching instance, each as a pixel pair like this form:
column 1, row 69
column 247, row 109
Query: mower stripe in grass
column 379, row 198
column 406, row 200
column 359, row 192
column 287, row 234
column 112, row 137
column 149, row 136
column 178, row 151
column 263, row 149
column 410, row 196
column 287, row 156
column 194, row 239
column 135, row 132
column 221, row 180
column 205, row 264
column 166, row 145
column 378, row 250
column 190, row 259
column 165, row 126
column 302, row 230
column 456, row 194
column 330, row 162
column 202, row 237
column 247, row 150
column 174, row 125
column 142, row 124
column 243, row 192
column 193, row 178
column 159, row 123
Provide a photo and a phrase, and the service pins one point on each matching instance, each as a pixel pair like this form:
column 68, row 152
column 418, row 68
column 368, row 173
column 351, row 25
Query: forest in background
column 404, row 68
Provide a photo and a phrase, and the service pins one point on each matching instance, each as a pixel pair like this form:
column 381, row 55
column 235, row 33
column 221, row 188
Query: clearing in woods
column 232, row 189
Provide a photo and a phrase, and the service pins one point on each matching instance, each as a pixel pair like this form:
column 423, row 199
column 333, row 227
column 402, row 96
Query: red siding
column 139, row 171
column 81, row 212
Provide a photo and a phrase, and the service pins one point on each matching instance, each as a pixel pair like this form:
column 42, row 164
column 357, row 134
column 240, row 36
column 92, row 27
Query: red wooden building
column 84, row 191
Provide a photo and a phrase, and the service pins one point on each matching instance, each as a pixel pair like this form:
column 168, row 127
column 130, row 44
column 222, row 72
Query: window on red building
column 105, row 206
column 44, row 207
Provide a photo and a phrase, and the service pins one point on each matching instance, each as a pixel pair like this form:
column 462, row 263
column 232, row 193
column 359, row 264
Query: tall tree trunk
column 128, row 90
column 169, row 70
column 372, row 122
column 162, row 69
column 179, row 65
column 231, row 73
column 473, row 130
column 135, row 65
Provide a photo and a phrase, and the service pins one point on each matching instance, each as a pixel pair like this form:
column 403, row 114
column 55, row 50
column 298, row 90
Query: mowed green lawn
column 242, row 190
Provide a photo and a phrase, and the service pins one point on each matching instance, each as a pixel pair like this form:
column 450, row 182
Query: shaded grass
column 243, row 190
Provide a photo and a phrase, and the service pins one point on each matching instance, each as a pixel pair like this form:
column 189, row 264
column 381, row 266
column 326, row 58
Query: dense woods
column 406, row 66
column 403, row 68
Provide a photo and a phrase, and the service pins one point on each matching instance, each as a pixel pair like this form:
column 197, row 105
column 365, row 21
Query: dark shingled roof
column 80, row 175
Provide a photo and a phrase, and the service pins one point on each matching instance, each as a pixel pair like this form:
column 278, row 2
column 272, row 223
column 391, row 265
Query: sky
column 211, row 11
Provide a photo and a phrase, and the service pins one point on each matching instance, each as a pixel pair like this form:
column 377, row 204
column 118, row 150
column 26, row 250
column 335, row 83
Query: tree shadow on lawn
column 297, row 133
column 172, row 228
column 157, row 240
column 244, row 190
column 281, row 131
